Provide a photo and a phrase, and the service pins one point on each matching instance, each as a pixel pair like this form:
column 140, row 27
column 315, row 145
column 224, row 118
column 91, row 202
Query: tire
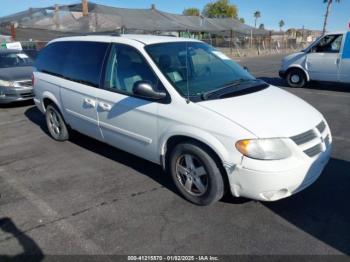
column 55, row 123
column 296, row 78
column 196, row 174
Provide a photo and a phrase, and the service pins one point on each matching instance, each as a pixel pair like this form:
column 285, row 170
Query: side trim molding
column 127, row 133
column 89, row 119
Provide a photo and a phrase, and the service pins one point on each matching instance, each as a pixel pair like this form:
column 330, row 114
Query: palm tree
column 329, row 5
column 281, row 24
column 257, row 15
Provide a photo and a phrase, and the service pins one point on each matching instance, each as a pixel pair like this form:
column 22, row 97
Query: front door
column 344, row 72
column 126, row 121
column 322, row 62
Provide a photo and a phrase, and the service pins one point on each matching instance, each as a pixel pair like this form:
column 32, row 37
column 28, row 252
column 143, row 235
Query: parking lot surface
column 85, row 197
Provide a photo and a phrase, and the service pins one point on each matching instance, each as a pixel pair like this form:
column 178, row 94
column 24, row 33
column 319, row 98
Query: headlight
column 5, row 83
column 264, row 149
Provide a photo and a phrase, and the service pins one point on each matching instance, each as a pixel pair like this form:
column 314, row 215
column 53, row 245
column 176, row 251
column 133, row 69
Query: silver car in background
column 325, row 60
column 15, row 76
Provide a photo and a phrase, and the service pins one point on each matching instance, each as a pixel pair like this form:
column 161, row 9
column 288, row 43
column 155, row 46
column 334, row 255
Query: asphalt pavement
column 85, row 197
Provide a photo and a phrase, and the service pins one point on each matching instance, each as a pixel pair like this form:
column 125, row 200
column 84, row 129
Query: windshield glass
column 196, row 66
column 15, row 59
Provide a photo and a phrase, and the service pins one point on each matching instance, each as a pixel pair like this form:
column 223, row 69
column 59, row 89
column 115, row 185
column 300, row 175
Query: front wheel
column 195, row 174
column 296, row 78
column 55, row 123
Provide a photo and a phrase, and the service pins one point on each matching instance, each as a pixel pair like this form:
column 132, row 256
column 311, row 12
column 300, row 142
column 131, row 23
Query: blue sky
column 296, row 13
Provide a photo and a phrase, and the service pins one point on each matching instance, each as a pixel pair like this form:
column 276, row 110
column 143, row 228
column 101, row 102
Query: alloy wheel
column 191, row 174
column 54, row 123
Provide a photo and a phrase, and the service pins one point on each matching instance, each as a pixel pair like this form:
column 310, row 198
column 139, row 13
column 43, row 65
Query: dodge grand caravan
column 186, row 106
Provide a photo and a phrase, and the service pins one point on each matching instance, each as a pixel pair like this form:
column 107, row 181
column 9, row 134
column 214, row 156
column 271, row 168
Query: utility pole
column 85, row 7
column 13, row 30
column 251, row 38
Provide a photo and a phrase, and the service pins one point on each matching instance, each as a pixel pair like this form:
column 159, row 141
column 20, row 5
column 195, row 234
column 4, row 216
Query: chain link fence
column 37, row 26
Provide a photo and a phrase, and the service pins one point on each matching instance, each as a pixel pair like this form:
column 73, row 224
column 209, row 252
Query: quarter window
column 125, row 67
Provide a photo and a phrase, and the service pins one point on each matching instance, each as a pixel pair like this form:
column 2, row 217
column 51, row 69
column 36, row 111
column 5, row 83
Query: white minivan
column 184, row 105
column 327, row 59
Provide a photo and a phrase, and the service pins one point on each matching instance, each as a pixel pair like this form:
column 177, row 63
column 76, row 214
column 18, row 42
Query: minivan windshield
column 14, row 59
column 197, row 69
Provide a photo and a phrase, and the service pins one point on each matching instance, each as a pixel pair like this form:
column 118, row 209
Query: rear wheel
column 296, row 78
column 196, row 174
column 55, row 123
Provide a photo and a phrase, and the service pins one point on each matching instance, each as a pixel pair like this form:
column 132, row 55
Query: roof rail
column 100, row 33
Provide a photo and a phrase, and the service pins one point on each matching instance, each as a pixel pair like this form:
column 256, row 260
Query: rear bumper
column 271, row 186
column 9, row 95
column 282, row 74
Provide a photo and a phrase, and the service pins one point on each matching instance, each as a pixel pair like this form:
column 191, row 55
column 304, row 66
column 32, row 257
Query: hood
column 293, row 57
column 269, row 113
column 16, row 73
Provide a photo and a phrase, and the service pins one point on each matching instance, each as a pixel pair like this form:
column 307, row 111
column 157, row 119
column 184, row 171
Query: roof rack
column 99, row 33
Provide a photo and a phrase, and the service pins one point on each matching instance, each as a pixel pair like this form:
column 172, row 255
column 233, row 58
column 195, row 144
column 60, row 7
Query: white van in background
column 184, row 105
column 327, row 59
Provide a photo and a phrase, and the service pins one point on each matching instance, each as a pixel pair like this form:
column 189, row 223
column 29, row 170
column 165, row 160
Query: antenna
column 187, row 72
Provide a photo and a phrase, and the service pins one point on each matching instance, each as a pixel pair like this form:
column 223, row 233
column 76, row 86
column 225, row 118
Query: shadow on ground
column 142, row 166
column 31, row 251
column 17, row 104
column 323, row 209
column 276, row 81
column 313, row 85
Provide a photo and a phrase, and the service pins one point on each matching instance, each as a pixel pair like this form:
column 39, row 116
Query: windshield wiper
column 219, row 90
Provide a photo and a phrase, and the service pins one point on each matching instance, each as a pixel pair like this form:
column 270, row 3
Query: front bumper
column 271, row 186
column 11, row 94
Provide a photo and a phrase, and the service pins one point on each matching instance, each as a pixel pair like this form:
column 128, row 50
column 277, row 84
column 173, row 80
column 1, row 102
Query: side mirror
column 246, row 68
column 145, row 89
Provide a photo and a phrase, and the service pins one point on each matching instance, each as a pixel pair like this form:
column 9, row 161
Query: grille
column 313, row 136
column 304, row 137
column 313, row 151
column 27, row 95
column 321, row 127
column 326, row 140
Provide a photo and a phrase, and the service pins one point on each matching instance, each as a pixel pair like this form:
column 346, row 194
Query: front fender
column 197, row 134
column 301, row 68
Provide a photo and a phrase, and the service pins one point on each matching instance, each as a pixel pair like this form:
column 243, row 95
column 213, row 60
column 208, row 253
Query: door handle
column 90, row 102
column 105, row 106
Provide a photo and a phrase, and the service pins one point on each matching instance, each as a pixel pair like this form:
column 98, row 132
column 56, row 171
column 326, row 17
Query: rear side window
column 76, row 61
column 84, row 62
column 51, row 59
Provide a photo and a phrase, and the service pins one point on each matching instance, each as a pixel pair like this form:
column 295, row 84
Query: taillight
column 33, row 79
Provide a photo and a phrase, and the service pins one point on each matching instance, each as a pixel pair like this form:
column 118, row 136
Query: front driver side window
column 125, row 67
column 329, row 44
